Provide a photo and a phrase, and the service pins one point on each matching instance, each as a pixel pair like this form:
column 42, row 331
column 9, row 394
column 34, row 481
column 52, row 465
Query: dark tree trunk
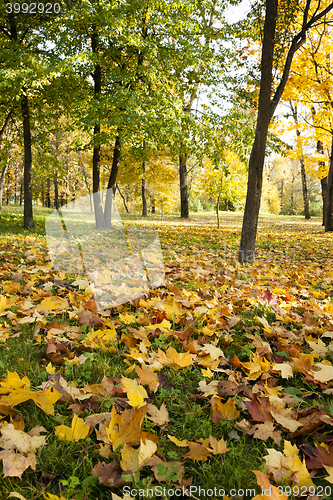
column 123, row 198
column 56, row 194
column 144, row 187
column 257, row 157
column 97, row 76
column 183, row 180
column 329, row 196
column 48, row 196
column 305, row 191
column 323, row 181
column 28, row 214
column 2, row 182
column 111, row 190
column 282, row 186
column 21, row 194
column 153, row 204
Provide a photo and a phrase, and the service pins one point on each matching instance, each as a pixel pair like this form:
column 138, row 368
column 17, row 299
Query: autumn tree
column 302, row 18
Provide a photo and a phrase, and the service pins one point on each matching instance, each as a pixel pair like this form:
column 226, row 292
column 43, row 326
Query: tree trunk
column 329, row 196
column 28, row 213
column 305, row 191
column 183, row 179
column 217, row 211
column 123, row 198
column 153, row 204
column 301, row 159
column 97, row 76
column 21, row 194
column 257, row 157
column 2, row 181
column 56, row 194
column 282, row 186
column 111, row 190
column 48, row 196
column 323, row 181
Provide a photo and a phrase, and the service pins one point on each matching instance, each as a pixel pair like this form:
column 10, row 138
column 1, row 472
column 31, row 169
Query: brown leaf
column 109, row 475
column 52, row 353
column 14, row 464
column 90, row 319
column 259, row 409
column 198, row 452
column 319, row 456
column 222, row 411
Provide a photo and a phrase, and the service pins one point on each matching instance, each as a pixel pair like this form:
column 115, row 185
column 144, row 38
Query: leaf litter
column 277, row 313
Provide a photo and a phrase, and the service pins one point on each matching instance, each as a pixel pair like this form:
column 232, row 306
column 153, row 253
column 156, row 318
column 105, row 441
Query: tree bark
column 56, row 193
column 256, row 163
column 144, row 187
column 28, row 213
column 183, row 179
column 111, row 190
column 329, row 196
column 266, row 110
column 97, row 76
column 2, row 181
column 48, row 195
column 323, row 181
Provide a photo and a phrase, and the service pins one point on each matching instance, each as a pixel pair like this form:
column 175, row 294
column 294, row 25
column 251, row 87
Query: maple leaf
column 125, row 427
column 330, row 472
column 226, row 411
column 319, row 456
column 51, row 304
column 14, row 464
column 160, row 416
column 197, row 451
column 324, row 374
column 218, row 447
column 78, row 430
column 270, row 492
column 259, row 409
column 147, row 376
column 109, row 475
column 136, row 393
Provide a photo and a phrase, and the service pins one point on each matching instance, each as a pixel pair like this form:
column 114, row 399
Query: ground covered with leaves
column 216, row 385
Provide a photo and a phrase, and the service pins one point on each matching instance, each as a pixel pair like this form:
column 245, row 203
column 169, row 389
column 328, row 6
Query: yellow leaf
column 180, row 360
column 78, row 430
column 198, row 452
column 50, row 369
column 129, row 458
column 125, row 427
column 284, row 368
column 49, row 496
column 330, row 472
column 177, row 442
column 52, row 304
column 136, row 393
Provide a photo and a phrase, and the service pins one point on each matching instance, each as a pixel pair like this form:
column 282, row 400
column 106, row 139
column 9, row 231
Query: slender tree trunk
column 21, row 194
column 2, row 181
column 183, row 179
column 123, row 198
column 329, row 196
column 111, row 190
column 56, row 193
column 257, row 157
column 217, row 211
column 28, row 213
column 144, row 187
column 323, row 181
column 282, row 186
column 303, row 174
column 153, row 204
column 97, row 76
column 48, row 195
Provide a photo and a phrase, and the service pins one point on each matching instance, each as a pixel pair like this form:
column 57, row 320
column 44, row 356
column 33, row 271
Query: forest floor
column 217, row 384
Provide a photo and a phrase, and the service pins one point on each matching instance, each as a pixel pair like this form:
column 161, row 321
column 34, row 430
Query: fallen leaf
column 78, row 430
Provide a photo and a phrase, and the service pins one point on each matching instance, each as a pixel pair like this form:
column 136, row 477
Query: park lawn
column 226, row 362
